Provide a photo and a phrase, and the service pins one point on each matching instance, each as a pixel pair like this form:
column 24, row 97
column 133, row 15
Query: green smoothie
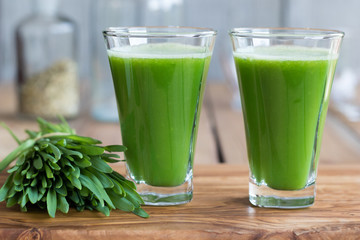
column 285, row 93
column 159, row 89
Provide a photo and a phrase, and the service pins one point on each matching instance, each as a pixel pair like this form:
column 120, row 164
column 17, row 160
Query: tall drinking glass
column 159, row 76
column 285, row 77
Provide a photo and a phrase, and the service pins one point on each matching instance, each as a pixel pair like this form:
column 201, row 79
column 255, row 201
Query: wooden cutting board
column 220, row 210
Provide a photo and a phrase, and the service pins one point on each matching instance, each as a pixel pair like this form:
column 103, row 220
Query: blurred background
column 82, row 21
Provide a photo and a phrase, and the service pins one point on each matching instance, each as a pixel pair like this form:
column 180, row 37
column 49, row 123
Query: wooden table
column 220, row 209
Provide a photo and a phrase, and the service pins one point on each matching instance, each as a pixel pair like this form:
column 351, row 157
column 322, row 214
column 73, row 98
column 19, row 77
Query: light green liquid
column 159, row 89
column 284, row 100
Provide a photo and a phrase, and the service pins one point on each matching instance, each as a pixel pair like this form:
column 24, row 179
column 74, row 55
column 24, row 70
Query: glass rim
column 159, row 32
column 290, row 33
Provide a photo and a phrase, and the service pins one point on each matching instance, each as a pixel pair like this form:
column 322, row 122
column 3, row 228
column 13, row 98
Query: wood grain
column 229, row 125
column 337, row 147
column 219, row 210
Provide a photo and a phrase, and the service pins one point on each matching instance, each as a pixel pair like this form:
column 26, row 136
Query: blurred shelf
column 221, row 136
column 108, row 133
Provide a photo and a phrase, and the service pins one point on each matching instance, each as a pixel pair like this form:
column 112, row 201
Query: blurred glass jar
column 47, row 66
column 112, row 13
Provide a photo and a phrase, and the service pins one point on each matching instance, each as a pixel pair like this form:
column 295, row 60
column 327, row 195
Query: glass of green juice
column 285, row 77
column 159, row 76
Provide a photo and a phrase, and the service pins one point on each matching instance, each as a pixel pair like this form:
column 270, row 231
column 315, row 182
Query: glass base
column 166, row 196
column 263, row 196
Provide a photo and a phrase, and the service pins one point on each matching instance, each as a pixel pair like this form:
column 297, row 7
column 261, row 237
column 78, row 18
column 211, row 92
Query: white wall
column 335, row 14
column 220, row 15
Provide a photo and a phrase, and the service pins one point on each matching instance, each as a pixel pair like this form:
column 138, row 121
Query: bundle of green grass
column 56, row 169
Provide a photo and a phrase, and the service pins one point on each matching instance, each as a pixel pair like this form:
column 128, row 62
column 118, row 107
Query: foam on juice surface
column 285, row 53
column 159, row 50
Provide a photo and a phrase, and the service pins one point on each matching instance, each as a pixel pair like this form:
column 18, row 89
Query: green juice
column 159, row 89
column 285, row 94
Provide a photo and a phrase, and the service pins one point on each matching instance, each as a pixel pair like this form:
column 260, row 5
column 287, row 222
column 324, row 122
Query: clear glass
column 46, row 57
column 285, row 78
column 124, row 13
column 159, row 76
